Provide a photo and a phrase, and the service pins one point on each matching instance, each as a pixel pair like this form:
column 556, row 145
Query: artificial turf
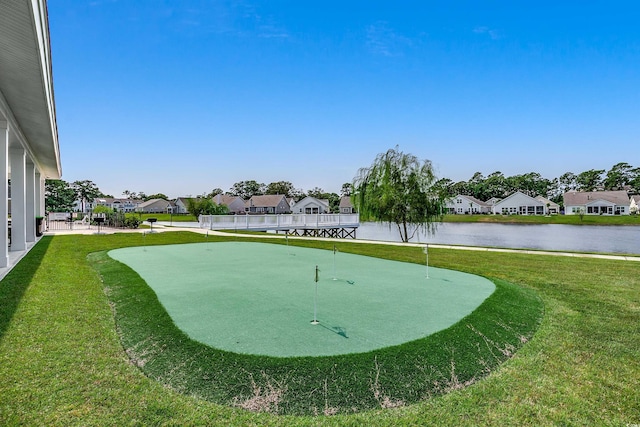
column 258, row 298
column 389, row 377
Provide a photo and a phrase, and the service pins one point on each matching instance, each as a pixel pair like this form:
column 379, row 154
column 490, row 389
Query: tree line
column 620, row 176
column 61, row 195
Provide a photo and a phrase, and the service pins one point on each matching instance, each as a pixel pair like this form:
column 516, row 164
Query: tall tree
column 85, row 191
column 205, row 206
column 399, row 188
column 346, row 190
column 156, row 196
column 247, row 189
column 215, row 192
column 281, row 187
column 495, row 186
column 59, row 196
column 589, row 180
column 618, row 176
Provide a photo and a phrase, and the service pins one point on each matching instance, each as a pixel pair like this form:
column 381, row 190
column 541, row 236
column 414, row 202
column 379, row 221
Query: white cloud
column 492, row 33
column 383, row 40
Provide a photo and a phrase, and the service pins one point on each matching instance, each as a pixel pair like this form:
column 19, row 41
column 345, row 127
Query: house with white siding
column 596, row 202
column 155, row 206
column 551, row 208
column 463, row 204
column 519, row 204
column 119, row 205
column 311, row 205
column 181, row 204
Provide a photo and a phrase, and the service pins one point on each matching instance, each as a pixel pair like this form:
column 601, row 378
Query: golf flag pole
column 426, row 252
column 334, row 262
column 315, row 301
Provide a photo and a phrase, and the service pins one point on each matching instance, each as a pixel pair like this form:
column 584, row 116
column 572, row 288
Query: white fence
column 279, row 222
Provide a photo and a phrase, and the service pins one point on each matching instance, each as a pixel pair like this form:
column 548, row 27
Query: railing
column 279, row 222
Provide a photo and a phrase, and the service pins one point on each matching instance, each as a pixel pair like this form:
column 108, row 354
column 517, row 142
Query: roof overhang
column 26, row 83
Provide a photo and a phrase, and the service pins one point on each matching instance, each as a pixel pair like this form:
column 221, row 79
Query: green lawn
column 168, row 217
column 62, row 362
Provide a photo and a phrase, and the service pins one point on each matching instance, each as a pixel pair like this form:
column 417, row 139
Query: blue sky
column 184, row 96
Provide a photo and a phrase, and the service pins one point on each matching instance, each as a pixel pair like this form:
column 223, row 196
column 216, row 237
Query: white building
column 311, row 205
column 120, row 205
column 29, row 150
column 596, row 202
column 462, row 204
column 519, row 204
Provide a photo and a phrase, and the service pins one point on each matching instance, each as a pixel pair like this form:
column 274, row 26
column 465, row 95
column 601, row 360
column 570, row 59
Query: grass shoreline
column 61, row 361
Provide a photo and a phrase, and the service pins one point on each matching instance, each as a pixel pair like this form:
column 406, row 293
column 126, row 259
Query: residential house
column 596, row 202
column 634, row 206
column 120, row 205
column 267, row 204
column 29, row 148
column 462, row 204
column 519, row 204
column 156, row 206
column 492, row 201
column 551, row 208
column 181, row 204
column 346, row 207
column 311, row 205
column 235, row 204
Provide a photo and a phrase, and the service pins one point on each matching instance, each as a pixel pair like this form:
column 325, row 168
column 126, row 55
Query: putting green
column 257, row 298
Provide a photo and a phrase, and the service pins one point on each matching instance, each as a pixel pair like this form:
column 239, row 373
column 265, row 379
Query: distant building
column 235, row 204
column 346, row 207
column 519, row 203
column 267, row 204
column 462, row 204
column 596, row 202
column 311, row 205
column 181, row 204
column 156, row 206
column 551, row 208
column 120, row 205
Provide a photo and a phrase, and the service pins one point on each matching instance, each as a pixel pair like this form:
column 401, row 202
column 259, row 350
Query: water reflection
column 585, row 238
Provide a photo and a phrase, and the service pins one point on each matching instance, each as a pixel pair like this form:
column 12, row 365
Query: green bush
column 132, row 221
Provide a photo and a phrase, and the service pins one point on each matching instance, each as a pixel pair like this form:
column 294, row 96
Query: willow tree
column 399, row 188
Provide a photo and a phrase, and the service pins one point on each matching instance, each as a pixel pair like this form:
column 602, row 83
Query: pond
column 557, row 237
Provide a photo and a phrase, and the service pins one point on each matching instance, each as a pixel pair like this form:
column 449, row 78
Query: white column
column 30, row 201
column 17, row 159
column 4, row 194
column 39, row 195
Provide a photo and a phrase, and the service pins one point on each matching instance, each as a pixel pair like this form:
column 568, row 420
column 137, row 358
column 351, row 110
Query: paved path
column 160, row 229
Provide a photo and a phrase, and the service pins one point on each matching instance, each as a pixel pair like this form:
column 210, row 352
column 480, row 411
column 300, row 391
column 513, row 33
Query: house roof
column 306, row 200
column 226, row 199
column 517, row 193
column 112, row 200
column 581, row 198
column 151, row 202
column 265, row 200
column 345, row 202
column 473, row 200
column 547, row 201
column 26, row 83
